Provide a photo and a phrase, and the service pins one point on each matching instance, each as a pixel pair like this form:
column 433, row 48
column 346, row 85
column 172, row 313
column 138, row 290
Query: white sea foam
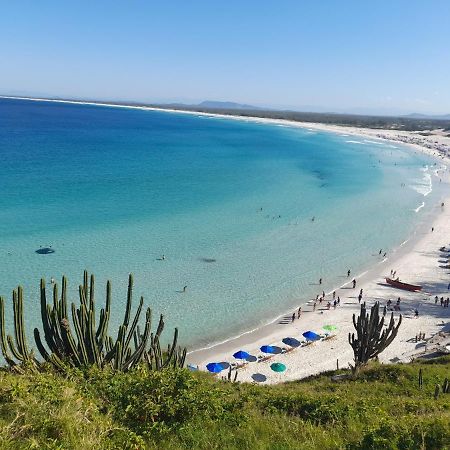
column 356, row 142
column 419, row 207
column 425, row 185
column 374, row 142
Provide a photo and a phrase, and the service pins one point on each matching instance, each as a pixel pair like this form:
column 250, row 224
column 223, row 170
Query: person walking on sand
column 334, row 295
column 314, row 306
column 348, row 272
column 359, row 298
column 299, row 312
column 293, row 317
column 334, row 304
column 338, row 300
column 354, row 283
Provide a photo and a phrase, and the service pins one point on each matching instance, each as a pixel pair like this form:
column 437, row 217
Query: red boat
column 400, row 285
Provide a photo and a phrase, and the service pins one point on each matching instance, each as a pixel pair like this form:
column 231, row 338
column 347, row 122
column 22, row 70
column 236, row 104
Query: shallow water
column 113, row 189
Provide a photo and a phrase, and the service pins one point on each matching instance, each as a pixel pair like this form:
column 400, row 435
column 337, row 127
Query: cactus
column 370, row 338
column 446, row 387
column 21, row 356
column 81, row 339
column 436, row 392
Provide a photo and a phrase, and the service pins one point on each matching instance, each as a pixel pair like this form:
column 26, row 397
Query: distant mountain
column 224, row 105
column 427, row 116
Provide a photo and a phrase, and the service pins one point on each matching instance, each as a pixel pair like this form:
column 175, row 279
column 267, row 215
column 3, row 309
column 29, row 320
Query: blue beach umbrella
column 215, row 367
column 311, row 336
column 292, row 342
column 241, row 355
column 272, row 349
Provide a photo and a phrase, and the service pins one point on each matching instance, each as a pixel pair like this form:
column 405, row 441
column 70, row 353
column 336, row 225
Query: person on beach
column 334, row 304
column 359, row 298
column 436, row 298
column 398, row 301
column 184, row 288
column 361, row 292
column 380, row 251
column 323, row 294
column 314, row 306
column 317, row 297
column 416, row 313
column 299, row 312
column 293, row 317
column 334, row 295
column 320, row 300
column 348, row 272
column 432, row 229
column 354, row 283
column 338, row 300
column 384, row 255
column 393, row 273
column 328, row 305
column 389, row 303
column 320, row 280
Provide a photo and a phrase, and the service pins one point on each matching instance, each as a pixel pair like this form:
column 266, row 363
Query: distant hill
column 426, row 116
column 225, row 105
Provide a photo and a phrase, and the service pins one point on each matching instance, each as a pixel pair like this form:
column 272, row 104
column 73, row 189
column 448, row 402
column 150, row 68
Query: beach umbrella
column 292, row 342
column 311, row 336
column 241, row 355
column 330, row 327
column 273, row 349
column 278, row 367
column 215, row 367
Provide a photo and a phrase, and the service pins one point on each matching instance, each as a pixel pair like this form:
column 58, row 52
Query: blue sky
column 342, row 55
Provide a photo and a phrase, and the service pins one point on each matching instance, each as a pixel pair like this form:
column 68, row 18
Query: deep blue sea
column 228, row 202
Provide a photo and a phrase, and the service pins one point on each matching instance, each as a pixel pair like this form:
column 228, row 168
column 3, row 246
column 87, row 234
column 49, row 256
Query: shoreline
column 273, row 332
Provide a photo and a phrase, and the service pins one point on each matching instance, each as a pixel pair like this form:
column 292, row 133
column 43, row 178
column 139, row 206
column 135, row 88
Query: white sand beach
column 418, row 260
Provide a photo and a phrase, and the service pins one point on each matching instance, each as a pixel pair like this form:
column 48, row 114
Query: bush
column 158, row 401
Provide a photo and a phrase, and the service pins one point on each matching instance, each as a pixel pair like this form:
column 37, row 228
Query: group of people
column 444, row 302
column 396, row 307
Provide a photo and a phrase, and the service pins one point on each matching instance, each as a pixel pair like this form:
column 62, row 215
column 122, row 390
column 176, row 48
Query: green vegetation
column 384, row 408
column 80, row 342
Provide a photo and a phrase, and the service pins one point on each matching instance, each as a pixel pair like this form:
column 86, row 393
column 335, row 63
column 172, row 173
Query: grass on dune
column 176, row 409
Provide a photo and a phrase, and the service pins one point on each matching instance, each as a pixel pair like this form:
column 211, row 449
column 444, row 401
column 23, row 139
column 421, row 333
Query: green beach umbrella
column 330, row 327
column 278, row 367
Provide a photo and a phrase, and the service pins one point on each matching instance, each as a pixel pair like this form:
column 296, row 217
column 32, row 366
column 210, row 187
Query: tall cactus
column 21, row 356
column 371, row 339
column 81, row 339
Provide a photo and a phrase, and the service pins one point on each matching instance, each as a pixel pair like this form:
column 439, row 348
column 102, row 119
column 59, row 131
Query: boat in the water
column 401, row 285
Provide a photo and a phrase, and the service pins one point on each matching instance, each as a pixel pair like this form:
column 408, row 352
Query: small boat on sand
column 400, row 285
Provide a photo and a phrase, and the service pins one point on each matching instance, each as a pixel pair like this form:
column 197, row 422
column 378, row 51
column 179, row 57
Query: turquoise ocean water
column 113, row 189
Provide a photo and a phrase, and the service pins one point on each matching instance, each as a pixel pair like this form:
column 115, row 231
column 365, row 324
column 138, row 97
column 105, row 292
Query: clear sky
column 343, row 55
